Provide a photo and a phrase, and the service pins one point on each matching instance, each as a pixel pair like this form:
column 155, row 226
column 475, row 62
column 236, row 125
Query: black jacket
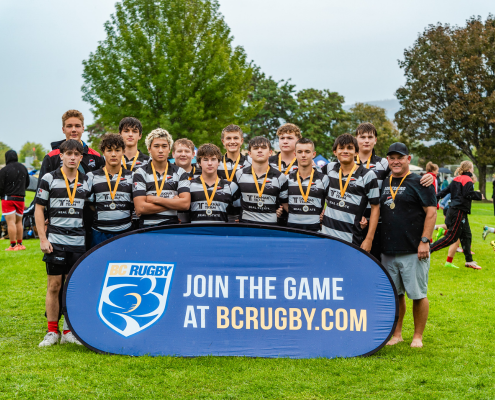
column 462, row 192
column 14, row 177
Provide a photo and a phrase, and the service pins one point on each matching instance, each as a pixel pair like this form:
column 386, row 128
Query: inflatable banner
column 230, row 290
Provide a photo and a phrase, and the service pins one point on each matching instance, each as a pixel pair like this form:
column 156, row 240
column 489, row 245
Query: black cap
column 398, row 147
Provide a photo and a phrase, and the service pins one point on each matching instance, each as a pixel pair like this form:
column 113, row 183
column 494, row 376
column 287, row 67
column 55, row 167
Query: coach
column 408, row 212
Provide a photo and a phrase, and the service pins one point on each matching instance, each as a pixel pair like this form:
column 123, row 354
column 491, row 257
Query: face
column 73, row 129
column 209, row 164
column 345, row 153
column 131, row 136
column 113, row 156
column 366, row 141
column 287, row 142
column 71, row 159
column 183, row 156
column 232, row 141
column 398, row 163
column 260, row 154
column 159, row 149
column 305, row 154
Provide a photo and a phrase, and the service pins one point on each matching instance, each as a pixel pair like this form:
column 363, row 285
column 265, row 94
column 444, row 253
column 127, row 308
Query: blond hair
column 464, row 167
column 72, row 114
column 430, row 167
column 158, row 133
column 183, row 142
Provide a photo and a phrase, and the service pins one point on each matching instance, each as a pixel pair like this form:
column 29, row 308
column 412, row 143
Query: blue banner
column 230, row 290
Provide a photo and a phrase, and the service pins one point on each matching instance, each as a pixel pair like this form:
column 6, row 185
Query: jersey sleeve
column 91, row 194
column 284, row 189
column 43, row 193
column 371, row 187
column 427, row 195
column 184, row 184
column 86, row 187
column 326, row 184
column 44, row 169
column 139, row 183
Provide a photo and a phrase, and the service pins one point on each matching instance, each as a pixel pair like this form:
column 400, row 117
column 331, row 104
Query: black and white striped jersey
column 177, row 182
column 299, row 216
column 224, row 197
column 194, row 173
column 244, row 161
column 343, row 222
column 141, row 161
column 65, row 220
column 274, row 194
column 274, row 160
column 107, row 219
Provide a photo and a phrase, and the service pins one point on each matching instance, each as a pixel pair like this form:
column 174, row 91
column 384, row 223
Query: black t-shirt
column 402, row 227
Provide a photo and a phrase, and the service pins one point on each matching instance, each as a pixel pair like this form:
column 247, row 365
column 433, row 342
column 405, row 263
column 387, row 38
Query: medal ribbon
column 159, row 189
column 342, row 191
column 73, row 195
column 289, row 166
column 133, row 163
column 209, row 199
column 229, row 178
column 367, row 164
column 255, row 178
column 392, row 191
column 114, row 191
column 305, row 196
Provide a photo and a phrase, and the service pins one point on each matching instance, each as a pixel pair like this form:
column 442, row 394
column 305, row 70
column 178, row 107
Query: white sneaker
column 50, row 339
column 69, row 338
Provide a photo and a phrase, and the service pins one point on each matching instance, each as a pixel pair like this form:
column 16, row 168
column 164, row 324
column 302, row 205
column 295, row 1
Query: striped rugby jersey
column 343, row 222
column 274, row 194
column 141, row 161
column 106, row 219
column 309, row 220
column 224, row 196
column 185, row 216
column 244, row 161
column 177, row 182
column 273, row 160
column 65, row 231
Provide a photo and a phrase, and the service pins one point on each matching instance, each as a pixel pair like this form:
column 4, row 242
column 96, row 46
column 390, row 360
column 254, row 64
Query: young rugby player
column 285, row 161
column 350, row 190
column 307, row 189
column 63, row 192
column 262, row 188
column 210, row 195
column 110, row 190
column 131, row 130
column 160, row 189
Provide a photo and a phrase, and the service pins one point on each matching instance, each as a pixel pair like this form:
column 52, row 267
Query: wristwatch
column 424, row 239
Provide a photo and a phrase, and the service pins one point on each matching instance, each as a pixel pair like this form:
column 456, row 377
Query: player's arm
column 179, row 203
column 427, row 180
column 375, row 215
column 39, row 218
column 431, row 218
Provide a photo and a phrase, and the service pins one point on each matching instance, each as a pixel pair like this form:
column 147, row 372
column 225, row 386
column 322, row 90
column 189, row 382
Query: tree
column 32, row 149
column 3, row 149
column 449, row 94
column 276, row 102
column 440, row 153
column 171, row 64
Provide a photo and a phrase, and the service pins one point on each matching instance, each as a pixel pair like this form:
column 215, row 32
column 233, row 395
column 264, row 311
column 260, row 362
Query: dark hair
column 305, row 141
column 208, row 150
column 130, row 122
column 344, row 140
column 366, row 127
column 111, row 140
column 71, row 145
column 231, row 128
column 259, row 141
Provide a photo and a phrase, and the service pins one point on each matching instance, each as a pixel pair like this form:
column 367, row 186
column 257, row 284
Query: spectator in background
column 14, row 179
column 432, row 169
column 445, row 183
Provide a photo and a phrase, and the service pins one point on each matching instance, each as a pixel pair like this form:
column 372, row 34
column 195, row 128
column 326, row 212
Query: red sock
column 53, row 326
column 450, row 259
column 19, row 241
column 12, row 244
column 66, row 331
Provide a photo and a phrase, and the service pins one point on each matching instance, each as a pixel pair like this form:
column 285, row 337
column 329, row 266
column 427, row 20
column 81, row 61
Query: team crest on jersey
column 80, row 188
column 92, row 163
column 123, row 181
column 314, row 187
column 353, row 182
column 134, row 295
column 388, row 201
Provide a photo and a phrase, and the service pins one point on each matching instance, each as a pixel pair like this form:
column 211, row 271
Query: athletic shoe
column 485, row 232
column 50, row 339
column 69, row 338
column 450, row 265
column 440, row 233
column 472, row 265
column 10, row 248
column 21, row 247
column 459, row 250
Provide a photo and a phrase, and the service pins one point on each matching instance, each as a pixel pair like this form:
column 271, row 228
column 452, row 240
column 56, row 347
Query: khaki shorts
column 409, row 274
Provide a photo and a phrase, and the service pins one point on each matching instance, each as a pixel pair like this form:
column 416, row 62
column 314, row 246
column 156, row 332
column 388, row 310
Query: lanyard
column 73, row 195
column 114, row 191
column 288, row 167
column 159, row 190
column 229, row 178
column 133, row 163
column 260, row 192
column 209, row 199
column 392, row 191
column 342, row 191
column 367, row 164
column 305, row 195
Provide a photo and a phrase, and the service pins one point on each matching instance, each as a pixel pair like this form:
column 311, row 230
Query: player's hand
column 423, row 251
column 321, row 215
column 363, row 223
column 366, row 245
column 427, row 180
column 279, row 211
column 46, row 246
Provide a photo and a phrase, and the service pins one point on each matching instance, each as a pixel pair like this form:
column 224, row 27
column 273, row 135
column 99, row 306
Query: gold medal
column 209, row 199
column 114, row 191
column 305, row 195
column 159, row 189
column 229, row 178
column 280, row 164
column 133, row 163
column 392, row 205
column 260, row 192
column 72, row 195
column 343, row 190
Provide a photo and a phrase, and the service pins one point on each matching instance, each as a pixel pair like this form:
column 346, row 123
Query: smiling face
column 73, row 129
column 366, row 141
column 159, row 149
column 183, row 156
column 232, row 141
column 398, row 163
column 260, row 154
column 345, row 153
column 305, row 154
column 131, row 136
column 71, row 159
column 287, row 142
column 113, row 156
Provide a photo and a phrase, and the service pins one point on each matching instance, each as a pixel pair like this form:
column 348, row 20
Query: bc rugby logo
column 134, row 295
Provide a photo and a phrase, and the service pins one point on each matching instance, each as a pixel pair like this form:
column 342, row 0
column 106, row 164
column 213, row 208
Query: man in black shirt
column 408, row 212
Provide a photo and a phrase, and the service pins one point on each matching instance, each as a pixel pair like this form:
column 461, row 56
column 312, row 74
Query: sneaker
column 472, row 265
column 50, row 339
column 450, row 265
column 459, row 250
column 10, row 248
column 69, row 338
column 440, row 233
column 485, row 232
column 21, row 247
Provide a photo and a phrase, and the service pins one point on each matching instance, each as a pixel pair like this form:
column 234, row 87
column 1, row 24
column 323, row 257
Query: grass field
column 457, row 361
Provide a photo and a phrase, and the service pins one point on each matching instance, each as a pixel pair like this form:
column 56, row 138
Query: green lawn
column 457, row 361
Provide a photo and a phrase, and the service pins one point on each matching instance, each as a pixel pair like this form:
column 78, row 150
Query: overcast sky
column 351, row 47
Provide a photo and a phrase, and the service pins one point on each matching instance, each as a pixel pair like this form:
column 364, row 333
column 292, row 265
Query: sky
column 350, row 47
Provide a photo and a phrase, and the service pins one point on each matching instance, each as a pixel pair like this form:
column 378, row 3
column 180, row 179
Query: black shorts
column 60, row 262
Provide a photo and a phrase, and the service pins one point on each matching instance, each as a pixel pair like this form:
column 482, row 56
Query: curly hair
column 111, row 140
column 289, row 128
column 72, row 114
column 158, row 133
column 208, row 150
